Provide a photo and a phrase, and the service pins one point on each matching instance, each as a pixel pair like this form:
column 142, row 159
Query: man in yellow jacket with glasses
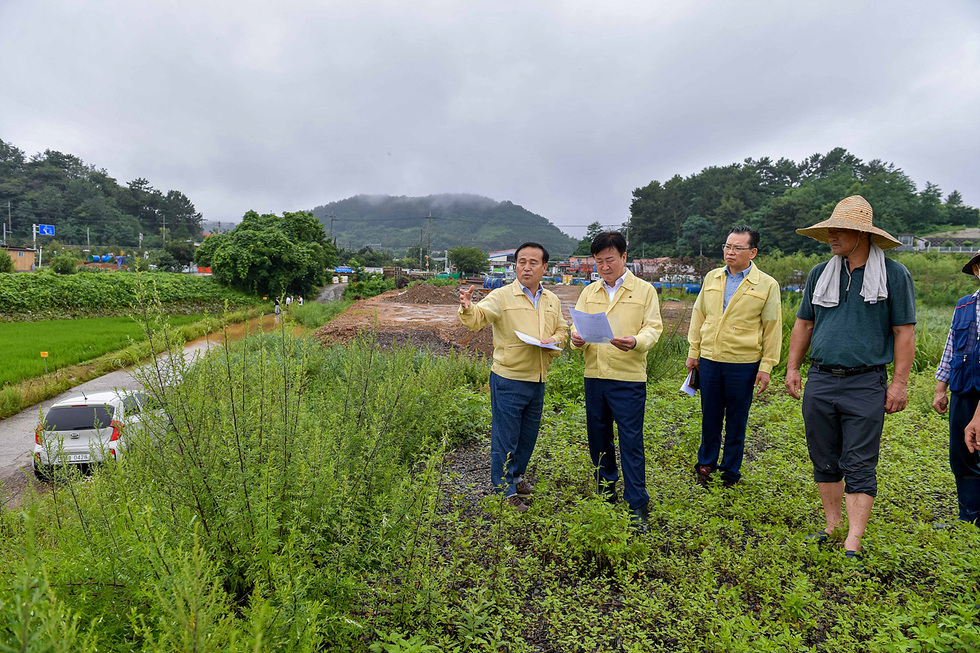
column 735, row 340
column 519, row 369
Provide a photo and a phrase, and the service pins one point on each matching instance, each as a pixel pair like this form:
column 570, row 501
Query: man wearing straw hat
column 857, row 315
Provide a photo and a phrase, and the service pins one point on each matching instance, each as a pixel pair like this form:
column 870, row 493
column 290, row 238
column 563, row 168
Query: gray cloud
column 562, row 107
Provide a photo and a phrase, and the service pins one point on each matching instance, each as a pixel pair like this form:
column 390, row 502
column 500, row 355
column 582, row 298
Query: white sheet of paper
column 531, row 340
column 686, row 386
column 593, row 327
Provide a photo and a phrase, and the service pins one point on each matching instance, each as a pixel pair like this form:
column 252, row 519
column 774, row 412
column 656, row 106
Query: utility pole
column 429, row 247
column 10, row 224
column 164, row 228
column 332, row 218
column 420, row 248
column 88, row 238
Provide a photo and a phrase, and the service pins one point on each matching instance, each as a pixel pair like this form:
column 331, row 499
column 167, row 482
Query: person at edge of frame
column 519, row 369
column 616, row 372
column 856, row 316
column 735, row 340
column 959, row 371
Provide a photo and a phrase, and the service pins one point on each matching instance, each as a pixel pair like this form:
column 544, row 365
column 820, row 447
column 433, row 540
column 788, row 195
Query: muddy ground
column 425, row 316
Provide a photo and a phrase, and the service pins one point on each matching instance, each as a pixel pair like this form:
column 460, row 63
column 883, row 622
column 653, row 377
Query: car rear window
column 71, row 418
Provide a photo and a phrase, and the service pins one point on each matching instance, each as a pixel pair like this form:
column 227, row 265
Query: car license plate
column 77, row 457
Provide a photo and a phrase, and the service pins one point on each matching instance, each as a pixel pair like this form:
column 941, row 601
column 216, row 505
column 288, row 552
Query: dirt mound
column 426, row 293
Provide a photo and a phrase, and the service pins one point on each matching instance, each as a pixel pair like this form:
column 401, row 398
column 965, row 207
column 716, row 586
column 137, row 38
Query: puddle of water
column 263, row 324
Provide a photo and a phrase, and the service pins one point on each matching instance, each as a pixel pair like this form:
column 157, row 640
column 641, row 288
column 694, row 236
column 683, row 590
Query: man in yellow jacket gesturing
column 519, row 369
column 616, row 372
column 735, row 339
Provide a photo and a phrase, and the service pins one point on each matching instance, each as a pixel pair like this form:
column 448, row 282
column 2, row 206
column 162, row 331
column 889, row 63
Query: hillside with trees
column 687, row 216
column 402, row 224
column 86, row 205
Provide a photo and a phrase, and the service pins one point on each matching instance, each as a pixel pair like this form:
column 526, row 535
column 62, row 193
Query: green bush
column 374, row 285
column 64, row 264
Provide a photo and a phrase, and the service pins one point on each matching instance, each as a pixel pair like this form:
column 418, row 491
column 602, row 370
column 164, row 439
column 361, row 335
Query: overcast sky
column 563, row 107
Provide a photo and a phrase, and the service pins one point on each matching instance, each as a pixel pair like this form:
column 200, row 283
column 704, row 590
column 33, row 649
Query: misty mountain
column 402, row 223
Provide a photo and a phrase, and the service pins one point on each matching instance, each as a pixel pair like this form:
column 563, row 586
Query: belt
column 848, row 371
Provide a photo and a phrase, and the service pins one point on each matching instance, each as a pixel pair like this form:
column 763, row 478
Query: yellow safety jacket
column 749, row 330
column 508, row 309
column 633, row 311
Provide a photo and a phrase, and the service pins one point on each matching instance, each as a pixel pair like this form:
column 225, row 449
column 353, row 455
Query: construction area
column 424, row 315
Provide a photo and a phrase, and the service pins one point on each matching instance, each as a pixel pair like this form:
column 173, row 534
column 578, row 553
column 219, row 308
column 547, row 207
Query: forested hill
column 684, row 216
column 401, row 223
column 85, row 204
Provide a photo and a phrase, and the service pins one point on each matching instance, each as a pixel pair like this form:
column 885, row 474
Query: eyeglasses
column 735, row 248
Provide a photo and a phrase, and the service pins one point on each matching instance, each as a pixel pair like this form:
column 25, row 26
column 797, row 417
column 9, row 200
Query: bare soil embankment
column 425, row 316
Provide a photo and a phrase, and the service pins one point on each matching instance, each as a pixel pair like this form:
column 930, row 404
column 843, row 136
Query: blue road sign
column 45, row 229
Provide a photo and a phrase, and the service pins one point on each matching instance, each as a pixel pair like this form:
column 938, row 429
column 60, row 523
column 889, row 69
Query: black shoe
column 818, row 538
column 641, row 518
column 855, row 562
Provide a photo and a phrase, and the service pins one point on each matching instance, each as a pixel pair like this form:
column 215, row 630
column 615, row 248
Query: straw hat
column 968, row 268
column 855, row 213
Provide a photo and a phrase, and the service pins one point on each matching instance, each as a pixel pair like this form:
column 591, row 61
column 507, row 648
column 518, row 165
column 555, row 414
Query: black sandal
column 820, row 537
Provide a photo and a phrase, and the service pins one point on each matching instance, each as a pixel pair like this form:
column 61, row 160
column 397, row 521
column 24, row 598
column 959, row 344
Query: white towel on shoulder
column 874, row 289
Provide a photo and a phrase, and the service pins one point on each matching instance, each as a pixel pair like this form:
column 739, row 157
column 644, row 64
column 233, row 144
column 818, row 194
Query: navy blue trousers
column 726, row 395
column 516, row 408
column 965, row 465
column 622, row 402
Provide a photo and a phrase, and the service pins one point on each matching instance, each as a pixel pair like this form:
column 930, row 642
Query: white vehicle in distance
column 86, row 429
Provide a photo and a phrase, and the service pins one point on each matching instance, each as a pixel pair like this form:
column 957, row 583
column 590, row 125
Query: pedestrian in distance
column 959, row 371
column 735, row 339
column 616, row 372
column 856, row 316
column 299, row 300
column 517, row 378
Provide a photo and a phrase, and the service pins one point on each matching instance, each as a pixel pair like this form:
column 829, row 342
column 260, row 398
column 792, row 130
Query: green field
column 67, row 342
column 330, row 499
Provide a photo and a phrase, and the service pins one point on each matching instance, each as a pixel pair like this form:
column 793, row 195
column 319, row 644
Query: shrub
column 375, row 284
column 64, row 264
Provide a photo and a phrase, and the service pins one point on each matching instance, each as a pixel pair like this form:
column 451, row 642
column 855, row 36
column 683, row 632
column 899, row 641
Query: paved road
column 331, row 293
column 17, row 432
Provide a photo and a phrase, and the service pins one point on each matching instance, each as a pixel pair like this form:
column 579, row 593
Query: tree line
column 86, row 205
column 689, row 216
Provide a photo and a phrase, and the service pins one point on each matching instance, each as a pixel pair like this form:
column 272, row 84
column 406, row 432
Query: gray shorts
column 843, row 417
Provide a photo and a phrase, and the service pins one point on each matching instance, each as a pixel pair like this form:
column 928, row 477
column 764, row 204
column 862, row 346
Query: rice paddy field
column 67, row 342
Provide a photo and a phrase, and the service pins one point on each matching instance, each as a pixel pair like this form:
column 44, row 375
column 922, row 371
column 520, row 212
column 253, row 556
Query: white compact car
column 86, row 429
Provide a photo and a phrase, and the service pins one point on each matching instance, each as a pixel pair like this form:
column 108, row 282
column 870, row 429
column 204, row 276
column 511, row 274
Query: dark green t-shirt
column 856, row 332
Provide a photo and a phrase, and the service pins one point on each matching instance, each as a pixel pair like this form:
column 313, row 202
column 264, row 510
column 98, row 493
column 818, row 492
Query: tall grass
column 313, row 315
column 293, row 498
